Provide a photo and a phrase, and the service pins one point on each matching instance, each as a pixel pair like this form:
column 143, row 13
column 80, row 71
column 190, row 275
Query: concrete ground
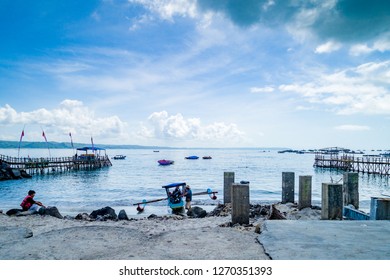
column 326, row 240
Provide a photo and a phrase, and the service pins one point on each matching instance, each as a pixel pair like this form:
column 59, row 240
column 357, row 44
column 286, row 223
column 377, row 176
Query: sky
column 301, row 74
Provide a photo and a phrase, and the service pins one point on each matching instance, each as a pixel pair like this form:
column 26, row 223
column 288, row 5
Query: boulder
column 83, row 216
column 196, row 212
column 52, row 211
column 106, row 212
column 13, row 212
column 122, row 215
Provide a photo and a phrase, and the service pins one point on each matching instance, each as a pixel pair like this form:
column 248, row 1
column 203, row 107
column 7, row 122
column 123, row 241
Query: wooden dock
column 351, row 163
column 56, row 164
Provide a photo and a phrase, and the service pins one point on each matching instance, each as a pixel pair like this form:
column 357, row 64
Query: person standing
column 188, row 195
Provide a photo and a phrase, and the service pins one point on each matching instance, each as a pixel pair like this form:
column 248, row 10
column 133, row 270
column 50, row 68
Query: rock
column 196, row 212
column 52, row 211
column 83, row 216
column 152, row 216
column 13, row 212
column 122, row 215
column 106, row 212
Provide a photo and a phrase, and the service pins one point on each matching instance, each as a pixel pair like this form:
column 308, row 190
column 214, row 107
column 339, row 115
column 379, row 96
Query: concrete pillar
column 288, row 184
column 304, row 192
column 228, row 180
column 380, row 208
column 351, row 189
column 332, row 201
column 240, row 204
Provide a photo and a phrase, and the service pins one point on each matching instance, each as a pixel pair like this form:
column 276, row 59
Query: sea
column 139, row 177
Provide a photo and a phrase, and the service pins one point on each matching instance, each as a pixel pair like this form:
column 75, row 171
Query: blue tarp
column 90, row 148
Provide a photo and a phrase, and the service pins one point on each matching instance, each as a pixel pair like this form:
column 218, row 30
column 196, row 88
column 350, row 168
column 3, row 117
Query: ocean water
column 140, row 177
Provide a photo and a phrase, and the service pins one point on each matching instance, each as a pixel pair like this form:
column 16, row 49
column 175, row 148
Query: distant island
column 67, row 145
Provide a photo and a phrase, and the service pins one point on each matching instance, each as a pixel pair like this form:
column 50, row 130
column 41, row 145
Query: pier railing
column 56, row 164
column 364, row 164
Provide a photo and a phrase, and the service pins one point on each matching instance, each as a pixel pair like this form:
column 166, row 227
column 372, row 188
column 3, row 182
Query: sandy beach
column 42, row 237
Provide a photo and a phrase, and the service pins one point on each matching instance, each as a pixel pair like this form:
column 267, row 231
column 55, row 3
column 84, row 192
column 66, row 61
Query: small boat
column 192, row 157
column 156, row 151
column 174, row 197
column 207, row 157
column 165, row 162
column 119, row 157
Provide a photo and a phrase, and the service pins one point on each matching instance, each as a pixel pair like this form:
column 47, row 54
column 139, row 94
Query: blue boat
column 175, row 199
column 192, row 157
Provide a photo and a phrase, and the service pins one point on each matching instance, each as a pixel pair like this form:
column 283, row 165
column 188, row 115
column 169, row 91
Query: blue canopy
column 173, row 185
column 90, row 148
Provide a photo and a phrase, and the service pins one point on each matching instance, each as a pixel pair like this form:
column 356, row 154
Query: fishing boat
column 165, row 162
column 192, row 157
column 207, row 157
column 175, row 197
column 119, row 157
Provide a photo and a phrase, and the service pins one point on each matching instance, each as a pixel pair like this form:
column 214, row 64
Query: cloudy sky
column 197, row 73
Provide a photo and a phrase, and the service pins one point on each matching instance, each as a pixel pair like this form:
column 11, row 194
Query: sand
column 37, row 237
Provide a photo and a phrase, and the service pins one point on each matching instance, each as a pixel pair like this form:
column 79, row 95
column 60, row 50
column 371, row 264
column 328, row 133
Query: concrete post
column 351, row 189
column 288, row 184
column 380, row 208
column 304, row 192
column 228, row 180
column 240, row 204
column 332, row 201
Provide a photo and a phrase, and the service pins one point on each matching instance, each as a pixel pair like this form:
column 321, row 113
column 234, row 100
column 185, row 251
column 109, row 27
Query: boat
column 207, row 157
column 174, row 197
column 119, row 157
column 192, row 157
column 165, row 162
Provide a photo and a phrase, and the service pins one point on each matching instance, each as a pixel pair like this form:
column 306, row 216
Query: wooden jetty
column 372, row 164
column 57, row 164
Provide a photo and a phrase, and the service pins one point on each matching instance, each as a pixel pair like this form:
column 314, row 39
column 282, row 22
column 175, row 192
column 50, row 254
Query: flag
column 21, row 135
column 71, row 140
column 20, row 141
column 92, row 143
column 44, row 136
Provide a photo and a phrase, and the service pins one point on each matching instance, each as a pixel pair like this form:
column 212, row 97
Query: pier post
column 228, row 180
column 288, row 184
column 351, row 189
column 305, row 183
column 332, row 201
column 240, row 204
column 380, row 208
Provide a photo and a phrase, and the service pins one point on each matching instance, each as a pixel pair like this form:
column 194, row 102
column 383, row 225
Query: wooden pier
column 364, row 164
column 56, row 164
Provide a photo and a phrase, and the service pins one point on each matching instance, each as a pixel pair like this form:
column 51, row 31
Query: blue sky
column 197, row 73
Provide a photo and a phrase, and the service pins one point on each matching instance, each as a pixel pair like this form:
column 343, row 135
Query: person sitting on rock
column 29, row 204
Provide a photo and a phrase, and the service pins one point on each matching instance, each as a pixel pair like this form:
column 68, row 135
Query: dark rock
column 13, row 212
column 106, row 212
column 122, row 215
column 83, row 216
column 52, row 211
column 152, row 216
column 196, row 212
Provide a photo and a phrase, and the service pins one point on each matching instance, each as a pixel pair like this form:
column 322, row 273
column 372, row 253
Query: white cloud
column 262, row 89
column 362, row 89
column 70, row 116
column 328, row 47
column 349, row 127
column 161, row 125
